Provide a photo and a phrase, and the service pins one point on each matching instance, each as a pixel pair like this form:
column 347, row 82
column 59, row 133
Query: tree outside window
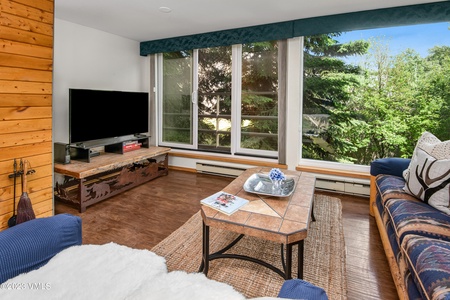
column 355, row 111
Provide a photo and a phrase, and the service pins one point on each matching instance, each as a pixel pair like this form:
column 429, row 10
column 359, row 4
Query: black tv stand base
column 82, row 152
column 93, row 153
column 140, row 136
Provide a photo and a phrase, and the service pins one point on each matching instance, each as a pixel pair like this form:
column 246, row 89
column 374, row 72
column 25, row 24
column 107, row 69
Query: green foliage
column 328, row 84
column 377, row 109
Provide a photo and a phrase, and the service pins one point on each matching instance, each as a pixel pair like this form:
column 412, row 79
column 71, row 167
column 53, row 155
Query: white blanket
column 112, row 271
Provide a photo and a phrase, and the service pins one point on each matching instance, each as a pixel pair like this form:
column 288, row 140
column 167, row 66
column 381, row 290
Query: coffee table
column 283, row 220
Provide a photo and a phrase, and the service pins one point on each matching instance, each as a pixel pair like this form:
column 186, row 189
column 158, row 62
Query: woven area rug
column 324, row 257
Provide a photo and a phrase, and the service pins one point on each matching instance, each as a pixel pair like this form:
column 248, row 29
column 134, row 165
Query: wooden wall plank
column 7, row 183
column 41, row 209
column 16, row 22
column 45, row 5
column 7, row 166
column 25, row 62
column 27, row 37
column 25, row 100
column 24, row 112
column 4, row 218
column 35, row 197
column 26, row 12
column 14, row 47
column 26, row 151
column 36, row 181
column 20, row 74
column 25, row 125
column 23, row 138
column 36, row 185
column 24, row 87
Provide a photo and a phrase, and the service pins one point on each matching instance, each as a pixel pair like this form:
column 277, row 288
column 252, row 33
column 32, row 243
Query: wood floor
column 145, row 215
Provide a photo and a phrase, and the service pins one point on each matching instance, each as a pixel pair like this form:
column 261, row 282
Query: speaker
column 61, row 153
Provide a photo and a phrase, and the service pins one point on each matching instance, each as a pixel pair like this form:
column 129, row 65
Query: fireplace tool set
column 24, row 207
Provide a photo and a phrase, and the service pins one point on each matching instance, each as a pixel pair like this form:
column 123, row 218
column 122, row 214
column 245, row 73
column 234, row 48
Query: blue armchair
column 30, row 245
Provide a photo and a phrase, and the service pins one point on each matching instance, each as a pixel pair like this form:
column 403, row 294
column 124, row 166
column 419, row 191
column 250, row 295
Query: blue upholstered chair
column 30, row 245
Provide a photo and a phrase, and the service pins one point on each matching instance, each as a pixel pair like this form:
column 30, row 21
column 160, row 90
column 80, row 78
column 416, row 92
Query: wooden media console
column 83, row 184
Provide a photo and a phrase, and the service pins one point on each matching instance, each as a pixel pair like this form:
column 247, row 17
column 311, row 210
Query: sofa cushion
column 428, row 175
column 392, row 187
column 414, row 217
column 428, row 260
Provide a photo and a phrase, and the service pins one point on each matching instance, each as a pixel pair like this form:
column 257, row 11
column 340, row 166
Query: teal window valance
column 370, row 19
column 395, row 16
column 268, row 32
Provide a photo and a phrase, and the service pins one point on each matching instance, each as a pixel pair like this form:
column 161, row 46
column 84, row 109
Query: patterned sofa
column 415, row 235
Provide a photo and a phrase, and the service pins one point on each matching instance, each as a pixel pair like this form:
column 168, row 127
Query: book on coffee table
column 224, row 202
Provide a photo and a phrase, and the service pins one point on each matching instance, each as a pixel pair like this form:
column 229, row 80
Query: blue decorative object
column 276, row 174
column 277, row 177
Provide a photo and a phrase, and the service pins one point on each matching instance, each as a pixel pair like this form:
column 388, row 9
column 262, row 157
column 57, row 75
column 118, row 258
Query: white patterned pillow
column 428, row 174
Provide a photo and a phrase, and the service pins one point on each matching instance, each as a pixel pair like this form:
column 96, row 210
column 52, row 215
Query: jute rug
column 324, row 257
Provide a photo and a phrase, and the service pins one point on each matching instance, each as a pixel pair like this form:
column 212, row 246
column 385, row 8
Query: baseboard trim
column 227, row 159
column 334, row 172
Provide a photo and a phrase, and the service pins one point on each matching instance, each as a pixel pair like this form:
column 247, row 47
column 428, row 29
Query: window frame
column 236, row 116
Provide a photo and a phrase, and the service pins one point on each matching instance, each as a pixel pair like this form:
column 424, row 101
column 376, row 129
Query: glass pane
column 259, row 119
column 372, row 93
column 177, row 91
column 214, row 99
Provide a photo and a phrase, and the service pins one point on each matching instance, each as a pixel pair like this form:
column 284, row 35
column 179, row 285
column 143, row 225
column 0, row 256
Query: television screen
column 100, row 114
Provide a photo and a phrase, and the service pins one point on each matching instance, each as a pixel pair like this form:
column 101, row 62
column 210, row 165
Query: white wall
column 92, row 59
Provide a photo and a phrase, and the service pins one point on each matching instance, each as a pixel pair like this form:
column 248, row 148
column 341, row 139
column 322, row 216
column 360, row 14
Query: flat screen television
column 96, row 115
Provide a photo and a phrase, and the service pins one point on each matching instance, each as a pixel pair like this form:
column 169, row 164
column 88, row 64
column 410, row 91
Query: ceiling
column 142, row 20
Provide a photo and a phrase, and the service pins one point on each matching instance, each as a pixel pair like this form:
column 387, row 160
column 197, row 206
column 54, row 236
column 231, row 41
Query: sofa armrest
column 389, row 166
column 30, row 245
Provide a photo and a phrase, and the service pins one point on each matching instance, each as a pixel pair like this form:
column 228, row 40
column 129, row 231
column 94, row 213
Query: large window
column 259, row 98
column 177, row 108
column 214, row 99
column 221, row 99
column 366, row 94
column 371, row 93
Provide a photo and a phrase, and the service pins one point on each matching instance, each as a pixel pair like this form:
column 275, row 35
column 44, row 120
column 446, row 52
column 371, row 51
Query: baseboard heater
column 343, row 185
column 219, row 170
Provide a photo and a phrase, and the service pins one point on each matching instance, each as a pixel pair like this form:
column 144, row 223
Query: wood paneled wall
column 26, row 61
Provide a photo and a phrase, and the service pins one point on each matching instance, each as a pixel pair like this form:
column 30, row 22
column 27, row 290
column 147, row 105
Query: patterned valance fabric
column 268, row 32
column 396, row 16
column 387, row 17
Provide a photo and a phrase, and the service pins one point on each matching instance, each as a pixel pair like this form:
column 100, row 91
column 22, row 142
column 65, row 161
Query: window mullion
column 159, row 96
column 236, row 87
column 194, row 99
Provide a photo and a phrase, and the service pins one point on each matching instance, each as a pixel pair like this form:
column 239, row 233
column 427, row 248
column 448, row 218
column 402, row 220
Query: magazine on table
column 224, row 202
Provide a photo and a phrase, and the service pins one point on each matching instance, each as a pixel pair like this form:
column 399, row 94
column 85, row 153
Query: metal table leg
column 286, row 262
column 204, row 267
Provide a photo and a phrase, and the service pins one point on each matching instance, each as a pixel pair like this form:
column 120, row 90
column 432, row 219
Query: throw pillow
column 428, row 174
